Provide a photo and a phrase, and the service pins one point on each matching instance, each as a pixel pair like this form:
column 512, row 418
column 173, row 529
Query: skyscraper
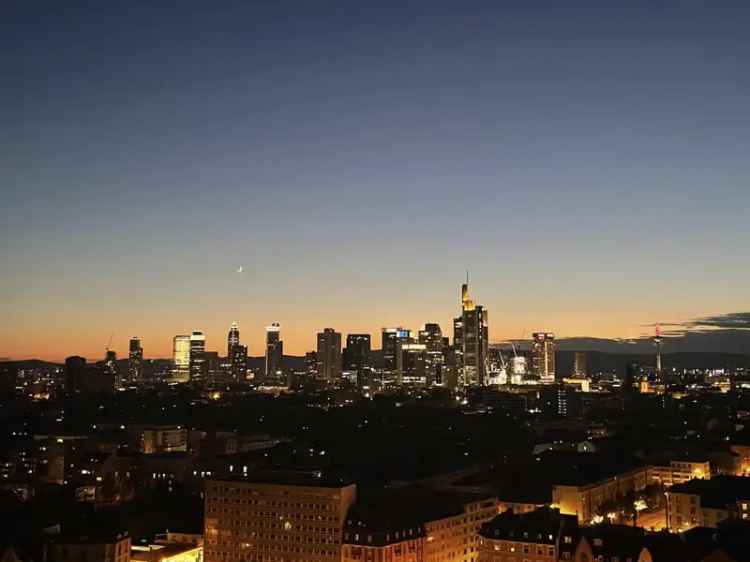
column 329, row 354
column 236, row 354
column 411, row 362
column 135, row 360
column 543, row 356
column 357, row 352
column 181, row 359
column 471, row 340
column 274, row 350
column 390, row 340
column 432, row 337
column 233, row 338
column 198, row 365
column 580, row 370
column 75, row 370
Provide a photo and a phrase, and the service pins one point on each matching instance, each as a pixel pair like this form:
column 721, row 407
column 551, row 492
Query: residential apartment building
column 277, row 515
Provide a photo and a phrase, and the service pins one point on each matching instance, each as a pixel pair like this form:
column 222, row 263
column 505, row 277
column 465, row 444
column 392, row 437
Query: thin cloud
column 731, row 321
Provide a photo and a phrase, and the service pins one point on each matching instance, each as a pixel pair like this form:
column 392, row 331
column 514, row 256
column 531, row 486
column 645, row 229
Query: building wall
column 743, row 452
column 583, row 501
column 456, row 539
column 683, row 511
column 679, row 472
column 254, row 521
column 515, row 551
column 403, row 551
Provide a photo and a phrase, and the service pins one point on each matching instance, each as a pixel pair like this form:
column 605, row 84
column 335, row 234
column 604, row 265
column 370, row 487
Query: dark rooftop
column 381, row 514
column 323, row 478
column 718, row 492
column 541, row 526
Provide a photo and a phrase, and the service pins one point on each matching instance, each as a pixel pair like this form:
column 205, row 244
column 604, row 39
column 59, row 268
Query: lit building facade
column 389, row 344
column 584, row 499
column 181, row 358
column 329, row 354
column 135, row 360
column 416, row 525
column 356, row 356
column 411, row 364
column 543, row 357
column 293, row 516
column 471, row 341
column 236, row 354
column 274, row 350
column 198, row 364
column 543, row 535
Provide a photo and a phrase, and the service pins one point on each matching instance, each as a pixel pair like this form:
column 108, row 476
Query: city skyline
column 340, row 166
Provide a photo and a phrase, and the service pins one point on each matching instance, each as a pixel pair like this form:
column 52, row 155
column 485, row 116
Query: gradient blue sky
column 588, row 161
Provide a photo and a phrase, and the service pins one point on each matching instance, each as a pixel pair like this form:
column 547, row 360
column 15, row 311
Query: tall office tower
column 233, row 338
column 294, row 516
column 236, row 354
column 357, row 352
column 311, row 364
column 75, row 370
column 411, row 359
column 390, row 340
column 471, row 340
column 274, row 349
column 198, row 365
column 110, row 362
column 135, row 360
column 580, row 369
column 432, row 337
column 181, row 359
column 657, row 343
column 329, row 354
column 543, row 357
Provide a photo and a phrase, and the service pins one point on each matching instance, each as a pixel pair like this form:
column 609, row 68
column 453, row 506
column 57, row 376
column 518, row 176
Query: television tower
column 657, row 342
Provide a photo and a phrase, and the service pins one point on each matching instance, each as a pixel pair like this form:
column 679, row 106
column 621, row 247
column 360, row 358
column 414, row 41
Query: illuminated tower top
column 466, row 302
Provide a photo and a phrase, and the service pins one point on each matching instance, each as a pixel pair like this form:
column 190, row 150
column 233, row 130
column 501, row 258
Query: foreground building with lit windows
column 543, row 535
column 277, row 515
column 416, row 525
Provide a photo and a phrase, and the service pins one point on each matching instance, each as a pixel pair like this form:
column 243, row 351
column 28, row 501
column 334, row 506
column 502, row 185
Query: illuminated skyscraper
column 329, row 354
column 135, row 360
column 233, row 338
column 411, row 363
column 390, row 340
column 471, row 341
column 432, row 337
column 236, row 354
column 198, row 365
column 274, row 350
column 181, row 358
column 543, row 357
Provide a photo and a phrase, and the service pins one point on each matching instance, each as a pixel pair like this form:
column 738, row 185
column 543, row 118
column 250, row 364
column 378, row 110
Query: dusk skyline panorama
column 339, row 164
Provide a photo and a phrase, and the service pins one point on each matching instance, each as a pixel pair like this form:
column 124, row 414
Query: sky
column 586, row 161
